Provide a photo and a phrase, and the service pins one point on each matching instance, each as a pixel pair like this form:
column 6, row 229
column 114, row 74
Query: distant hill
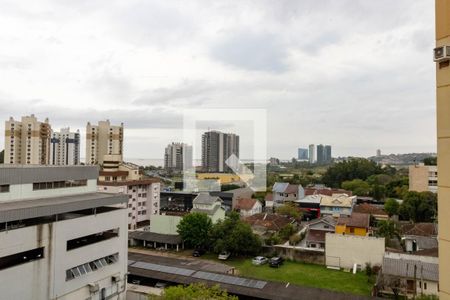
column 401, row 159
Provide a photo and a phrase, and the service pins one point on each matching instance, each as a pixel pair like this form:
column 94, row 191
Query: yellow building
column 443, row 143
column 224, row 178
column 356, row 224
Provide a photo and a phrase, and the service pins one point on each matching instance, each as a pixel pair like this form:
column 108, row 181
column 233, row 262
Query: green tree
column 357, row 186
column 235, row 236
column 355, row 168
column 286, row 232
column 430, row 161
column 195, row 291
column 391, row 206
column 418, row 206
column 388, row 229
column 288, row 209
column 194, row 229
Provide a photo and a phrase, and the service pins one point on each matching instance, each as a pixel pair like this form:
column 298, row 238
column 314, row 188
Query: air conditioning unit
column 115, row 278
column 93, row 288
column 441, row 53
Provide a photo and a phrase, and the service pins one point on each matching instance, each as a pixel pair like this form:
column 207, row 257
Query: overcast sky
column 355, row 74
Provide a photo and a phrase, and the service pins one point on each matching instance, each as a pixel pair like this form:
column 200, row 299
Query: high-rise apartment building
column 302, row 154
column 65, row 147
column 177, row 156
column 423, row 178
column 27, row 141
column 323, row 154
column 217, row 147
column 103, row 139
column 60, row 238
column 443, row 142
column 312, row 156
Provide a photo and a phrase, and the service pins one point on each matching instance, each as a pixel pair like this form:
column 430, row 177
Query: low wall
column 296, row 254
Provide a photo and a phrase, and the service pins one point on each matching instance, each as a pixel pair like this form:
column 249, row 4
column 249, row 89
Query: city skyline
column 117, row 63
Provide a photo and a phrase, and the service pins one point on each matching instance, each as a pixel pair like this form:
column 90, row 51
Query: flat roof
column 40, row 207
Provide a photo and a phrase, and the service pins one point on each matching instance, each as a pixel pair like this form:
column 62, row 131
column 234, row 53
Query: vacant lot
column 306, row 275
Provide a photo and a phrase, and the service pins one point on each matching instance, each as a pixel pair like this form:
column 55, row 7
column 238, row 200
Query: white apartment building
column 143, row 193
column 65, row 147
column 60, row 238
column 27, row 141
column 103, row 139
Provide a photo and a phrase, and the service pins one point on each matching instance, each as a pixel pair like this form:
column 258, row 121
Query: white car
column 224, row 255
column 259, row 260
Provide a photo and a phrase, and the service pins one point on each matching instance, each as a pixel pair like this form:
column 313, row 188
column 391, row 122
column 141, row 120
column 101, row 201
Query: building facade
column 60, row 238
column 323, row 154
column 27, row 141
column 443, row 145
column 217, row 147
column 65, row 147
column 423, row 178
column 103, row 139
column 118, row 177
column 312, row 156
column 302, row 154
column 177, row 156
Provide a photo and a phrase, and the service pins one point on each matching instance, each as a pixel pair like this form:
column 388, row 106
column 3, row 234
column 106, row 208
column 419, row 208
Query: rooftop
column 403, row 265
column 245, row 204
column 355, row 220
column 205, row 198
column 423, row 229
column 269, row 221
column 369, row 209
column 341, row 200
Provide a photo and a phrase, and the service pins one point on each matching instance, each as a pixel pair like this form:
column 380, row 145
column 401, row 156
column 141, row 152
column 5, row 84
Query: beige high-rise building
column 442, row 56
column 27, row 141
column 103, row 139
column 423, row 178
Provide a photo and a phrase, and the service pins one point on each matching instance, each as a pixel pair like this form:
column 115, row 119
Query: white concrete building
column 118, row 177
column 178, row 156
column 65, row 147
column 27, row 141
column 60, row 238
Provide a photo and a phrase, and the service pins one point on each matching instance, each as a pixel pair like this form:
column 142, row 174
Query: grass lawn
column 306, row 275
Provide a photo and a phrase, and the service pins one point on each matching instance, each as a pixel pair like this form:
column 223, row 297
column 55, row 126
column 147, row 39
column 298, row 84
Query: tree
column 430, row 161
column 388, row 229
column 195, row 291
column 235, row 236
column 355, row 168
column 288, row 209
column 357, row 186
column 286, row 232
column 419, row 206
column 391, row 206
column 194, row 229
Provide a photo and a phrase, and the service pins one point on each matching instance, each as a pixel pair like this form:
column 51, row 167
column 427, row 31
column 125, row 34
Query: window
column 4, row 188
column 424, row 285
column 58, row 184
column 92, row 239
column 91, row 266
column 21, row 258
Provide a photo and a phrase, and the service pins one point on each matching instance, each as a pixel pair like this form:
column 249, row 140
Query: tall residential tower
column 177, row 156
column 103, row 139
column 217, row 147
column 65, row 147
column 27, row 142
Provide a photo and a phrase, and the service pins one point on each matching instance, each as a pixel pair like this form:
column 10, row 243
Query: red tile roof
column 367, row 208
column 245, row 204
column 422, row 229
column 269, row 197
column 326, row 191
column 355, row 220
column 269, row 221
column 316, row 236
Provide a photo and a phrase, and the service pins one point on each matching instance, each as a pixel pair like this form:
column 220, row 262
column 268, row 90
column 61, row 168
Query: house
column 355, row 224
column 376, row 211
column 284, row 192
column 268, row 200
column 419, row 236
column 409, row 275
column 266, row 224
column 337, row 205
column 316, row 230
column 248, row 207
column 211, row 205
column 310, row 205
column 320, row 189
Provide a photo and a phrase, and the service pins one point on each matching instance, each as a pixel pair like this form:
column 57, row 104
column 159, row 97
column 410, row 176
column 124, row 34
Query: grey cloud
column 252, row 51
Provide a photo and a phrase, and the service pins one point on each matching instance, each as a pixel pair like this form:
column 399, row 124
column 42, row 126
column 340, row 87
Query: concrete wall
column 344, row 251
column 296, row 254
column 46, row 278
column 164, row 224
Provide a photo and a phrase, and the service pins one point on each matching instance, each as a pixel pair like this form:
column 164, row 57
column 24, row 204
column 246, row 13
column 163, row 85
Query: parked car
column 224, row 255
column 276, row 262
column 161, row 285
column 198, row 252
column 259, row 260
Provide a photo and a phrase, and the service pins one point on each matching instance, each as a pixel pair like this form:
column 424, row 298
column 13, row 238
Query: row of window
column 58, row 184
column 91, row 266
column 21, row 258
column 92, row 239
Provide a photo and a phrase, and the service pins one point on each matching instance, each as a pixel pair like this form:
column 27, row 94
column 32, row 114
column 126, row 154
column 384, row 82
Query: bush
column 295, row 239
